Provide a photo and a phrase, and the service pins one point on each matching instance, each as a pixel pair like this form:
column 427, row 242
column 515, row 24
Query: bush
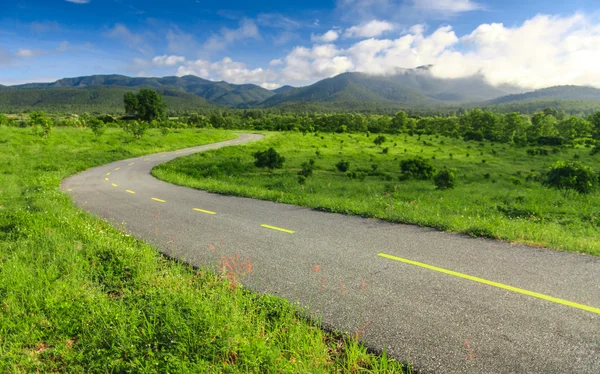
column 96, row 126
column 343, row 166
column 135, row 128
column 268, row 159
column 307, row 168
column 379, row 140
column 571, row 176
column 416, row 168
column 445, row 179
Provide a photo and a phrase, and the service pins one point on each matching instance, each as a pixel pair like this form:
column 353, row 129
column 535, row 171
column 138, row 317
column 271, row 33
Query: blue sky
column 534, row 43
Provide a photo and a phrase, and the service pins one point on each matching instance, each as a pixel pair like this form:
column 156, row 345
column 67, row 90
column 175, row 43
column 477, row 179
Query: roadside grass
column 77, row 295
column 498, row 194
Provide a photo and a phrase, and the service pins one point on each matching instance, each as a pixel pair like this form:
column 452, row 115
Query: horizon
column 533, row 46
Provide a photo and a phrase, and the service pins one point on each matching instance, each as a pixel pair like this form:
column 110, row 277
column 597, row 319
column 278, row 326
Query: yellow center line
column 131, row 164
column 277, row 228
column 107, row 174
column 495, row 284
column 130, row 191
column 114, row 185
column 106, row 179
column 163, row 155
column 159, row 200
column 204, row 211
column 146, row 159
column 117, row 169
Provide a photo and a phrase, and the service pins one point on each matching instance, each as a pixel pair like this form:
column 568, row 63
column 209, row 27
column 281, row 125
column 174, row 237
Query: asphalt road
column 453, row 311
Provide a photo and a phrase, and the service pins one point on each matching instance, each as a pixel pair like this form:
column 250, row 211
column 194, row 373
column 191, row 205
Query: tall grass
column 498, row 192
column 77, row 295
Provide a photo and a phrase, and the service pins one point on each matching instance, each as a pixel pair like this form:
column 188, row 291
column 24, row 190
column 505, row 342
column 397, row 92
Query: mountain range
column 407, row 88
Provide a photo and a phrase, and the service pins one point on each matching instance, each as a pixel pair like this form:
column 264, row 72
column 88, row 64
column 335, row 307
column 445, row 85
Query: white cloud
column 270, row 86
column 166, row 60
column 368, row 30
column 543, row 51
column 180, row 42
column 28, row 53
column 328, row 37
column 227, row 70
column 122, row 33
column 452, row 6
column 247, row 30
column 78, row 1
column 275, row 62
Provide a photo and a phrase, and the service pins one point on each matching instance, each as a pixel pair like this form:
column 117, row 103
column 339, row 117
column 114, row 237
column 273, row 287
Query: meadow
column 498, row 193
column 78, row 295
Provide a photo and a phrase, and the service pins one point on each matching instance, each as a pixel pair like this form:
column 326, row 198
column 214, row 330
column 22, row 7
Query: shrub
column 416, row 168
column 343, row 166
column 445, row 179
column 268, row 159
column 136, row 128
column 307, row 168
column 379, row 140
column 97, row 126
column 571, row 176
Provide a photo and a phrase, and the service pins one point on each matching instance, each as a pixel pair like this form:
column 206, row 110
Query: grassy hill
column 96, row 99
column 220, row 93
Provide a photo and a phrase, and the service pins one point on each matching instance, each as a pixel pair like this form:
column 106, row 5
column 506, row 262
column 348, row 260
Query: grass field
column 498, row 193
column 77, row 295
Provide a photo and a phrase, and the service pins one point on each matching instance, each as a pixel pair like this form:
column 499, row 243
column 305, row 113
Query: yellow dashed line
column 163, row 156
column 146, row 159
column 277, row 228
column 204, row 211
column 159, row 200
column 495, row 284
column 131, row 164
column 106, row 179
column 117, row 169
column 114, row 185
column 107, row 174
column 130, row 191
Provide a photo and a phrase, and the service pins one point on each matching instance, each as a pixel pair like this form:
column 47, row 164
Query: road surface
column 445, row 302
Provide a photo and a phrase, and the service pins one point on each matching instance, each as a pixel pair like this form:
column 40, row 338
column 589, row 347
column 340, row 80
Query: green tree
column 379, row 140
column 268, row 159
column 96, row 126
column 39, row 119
column 595, row 121
column 146, row 105
column 571, row 176
column 343, row 166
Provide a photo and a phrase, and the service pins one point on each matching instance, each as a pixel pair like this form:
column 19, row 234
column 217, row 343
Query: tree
column 146, row 105
column 571, row 176
column 268, row 159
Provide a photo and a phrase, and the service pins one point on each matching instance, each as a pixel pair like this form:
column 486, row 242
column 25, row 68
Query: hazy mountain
column 283, row 89
column 349, row 87
column 89, row 99
column 406, row 87
column 577, row 93
column 221, row 93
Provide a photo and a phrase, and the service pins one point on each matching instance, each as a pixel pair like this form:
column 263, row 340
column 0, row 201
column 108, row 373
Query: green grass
column 77, row 295
column 497, row 194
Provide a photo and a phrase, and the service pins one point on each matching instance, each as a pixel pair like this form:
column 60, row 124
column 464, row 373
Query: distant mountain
column 283, row 89
column 97, row 99
column 221, row 93
column 349, row 87
column 574, row 93
column 407, row 87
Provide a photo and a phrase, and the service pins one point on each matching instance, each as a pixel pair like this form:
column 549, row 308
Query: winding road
column 445, row 302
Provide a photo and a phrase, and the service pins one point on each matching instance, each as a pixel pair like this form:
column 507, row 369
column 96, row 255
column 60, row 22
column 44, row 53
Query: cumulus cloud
column 166, row 60
column 28, row 53
column 328, row 37
column 369, row 29
column 247, row 30
column 78, row 1
column 543, row 51
column 229, row 71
